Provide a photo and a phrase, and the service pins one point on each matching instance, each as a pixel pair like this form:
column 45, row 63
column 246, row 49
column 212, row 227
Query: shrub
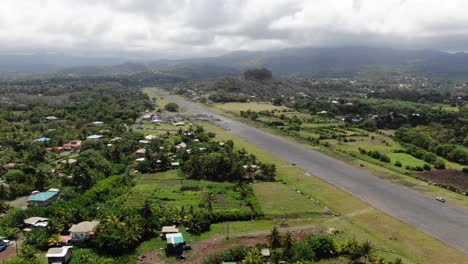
column 385, row 158
column 427, row 167
column 439, row 164
column 171, row 107
column 398, row 163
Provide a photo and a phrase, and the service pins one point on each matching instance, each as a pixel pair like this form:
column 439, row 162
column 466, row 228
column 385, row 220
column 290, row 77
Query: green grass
column 166, row 189
column 406, row 159
column 253, row 106
column 277, row 199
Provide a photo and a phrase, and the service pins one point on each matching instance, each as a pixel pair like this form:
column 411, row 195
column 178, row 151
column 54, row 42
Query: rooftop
column 175, row 238
column 84, row 227
column 42, row 196
column 58, row 252
column 170, row 229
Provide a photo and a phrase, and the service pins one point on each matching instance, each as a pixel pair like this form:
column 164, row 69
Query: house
column 10, row 165
column 181, row 146
column 34, row 222
column 94, row 137
column 50, row 118
column 175, row 164
column 97, row 123
column 150, row 137
column 43, row 198
column 140, row 152
column 82, row 231
column 59, row 255
column 168, row 230
column 175, row 244
column 42, row 139
column 265, row 252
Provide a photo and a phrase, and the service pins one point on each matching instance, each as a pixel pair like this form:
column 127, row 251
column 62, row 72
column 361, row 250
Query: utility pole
column 227, row 231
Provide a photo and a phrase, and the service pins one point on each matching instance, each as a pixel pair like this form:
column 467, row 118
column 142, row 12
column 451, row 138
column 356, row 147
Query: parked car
column 3, row 246
column 440, row 199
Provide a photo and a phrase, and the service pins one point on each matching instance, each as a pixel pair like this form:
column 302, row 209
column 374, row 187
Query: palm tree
column 209, row 198
column 54, row 240
column 362, row 253
column 253, row 257
column 274, row 239
column 288, row 245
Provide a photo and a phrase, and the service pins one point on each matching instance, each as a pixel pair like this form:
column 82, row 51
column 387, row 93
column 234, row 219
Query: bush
column 385, row 158
column 398, row 163
column 427, row 167
column 171, row 107
column 439, row 164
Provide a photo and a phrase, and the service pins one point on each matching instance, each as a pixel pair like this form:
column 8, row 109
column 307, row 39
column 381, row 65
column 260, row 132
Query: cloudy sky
column 190, row 28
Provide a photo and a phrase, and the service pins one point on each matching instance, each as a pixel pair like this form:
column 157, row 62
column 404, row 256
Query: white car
column 440, row 199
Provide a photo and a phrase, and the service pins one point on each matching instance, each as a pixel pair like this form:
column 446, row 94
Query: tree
column 172, row 107
column 288, row 244
column 274, row 238
column 3, row 207
column 209, row 198
column 253, row 257
column 359, row 253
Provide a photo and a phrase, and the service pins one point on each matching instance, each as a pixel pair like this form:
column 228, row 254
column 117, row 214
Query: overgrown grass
column 279, row 199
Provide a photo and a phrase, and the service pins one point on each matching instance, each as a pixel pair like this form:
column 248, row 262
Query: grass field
column 406, row 159
column 279, row 199
column 171, row 189
column 391, row 236
column 254, row 106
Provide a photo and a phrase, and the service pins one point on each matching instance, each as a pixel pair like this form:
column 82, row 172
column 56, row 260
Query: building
column 94, row 137
column 83, row 231
column 59, row 255
column 43, row 198
column 140, row 153
column 97, row 123
column 168, row 230
column 42, row 139
column 175, row 244
column 34, row 222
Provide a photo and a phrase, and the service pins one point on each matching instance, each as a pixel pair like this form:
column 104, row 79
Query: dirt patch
column 456, row 178
column 202, row 249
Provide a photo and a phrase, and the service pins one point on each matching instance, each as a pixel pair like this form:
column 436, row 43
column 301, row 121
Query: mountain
column 303, row 62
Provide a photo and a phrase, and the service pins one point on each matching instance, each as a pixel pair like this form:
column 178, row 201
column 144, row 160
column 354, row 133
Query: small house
column 82, row 231
column 42, row 139
column 97, row 123
column 168, row 230
column 43, row 198
column 140, row 152
column 94, row 137
column 175, row 244
column 34, row 222
column 59, row 255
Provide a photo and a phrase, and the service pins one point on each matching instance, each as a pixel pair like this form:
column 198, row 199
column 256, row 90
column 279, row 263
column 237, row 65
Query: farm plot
column 454, row 178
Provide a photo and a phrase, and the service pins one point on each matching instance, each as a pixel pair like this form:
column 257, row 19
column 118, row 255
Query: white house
column 83, row 231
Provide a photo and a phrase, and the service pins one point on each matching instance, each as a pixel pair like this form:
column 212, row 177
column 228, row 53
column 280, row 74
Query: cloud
column 186, row 28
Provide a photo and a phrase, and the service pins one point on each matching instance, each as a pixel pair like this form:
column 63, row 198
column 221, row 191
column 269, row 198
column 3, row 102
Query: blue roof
column 41, row 197
column 43, row 139
column 175, row 238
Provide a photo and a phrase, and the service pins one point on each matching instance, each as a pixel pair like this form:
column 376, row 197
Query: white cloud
column 206, row 27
